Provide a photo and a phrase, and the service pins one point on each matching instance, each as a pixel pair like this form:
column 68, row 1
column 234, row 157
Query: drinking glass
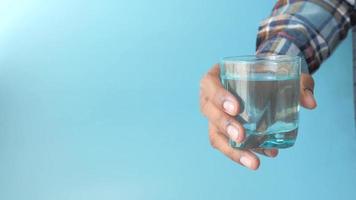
column 267, row 89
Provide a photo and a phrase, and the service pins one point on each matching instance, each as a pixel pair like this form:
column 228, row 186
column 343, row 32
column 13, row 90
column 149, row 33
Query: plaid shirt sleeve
column 309, row 28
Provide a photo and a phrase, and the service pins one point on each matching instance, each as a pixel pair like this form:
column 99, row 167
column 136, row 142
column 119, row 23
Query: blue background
column 99, row 100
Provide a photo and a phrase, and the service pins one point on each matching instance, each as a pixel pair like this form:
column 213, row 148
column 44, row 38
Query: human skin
column 220, row 107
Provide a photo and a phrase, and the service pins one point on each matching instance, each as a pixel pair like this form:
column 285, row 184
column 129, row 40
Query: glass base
column 267, row 141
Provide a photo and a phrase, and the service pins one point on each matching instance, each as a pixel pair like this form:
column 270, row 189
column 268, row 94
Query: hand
column 220, row 107
column 307, row 99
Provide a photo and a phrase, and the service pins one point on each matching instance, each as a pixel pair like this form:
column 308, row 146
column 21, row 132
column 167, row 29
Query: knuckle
column 211, row 84
column 210, row 73
column 211, row 77
column 216, row 94
column 203, row 104
column 223, row 121
column 230, row 152
column 219, row 94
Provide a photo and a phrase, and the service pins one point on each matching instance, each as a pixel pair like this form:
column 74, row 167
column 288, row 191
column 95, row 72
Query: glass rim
column 262, row 58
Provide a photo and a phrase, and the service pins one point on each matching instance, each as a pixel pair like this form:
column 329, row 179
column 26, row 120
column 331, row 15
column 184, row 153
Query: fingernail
column 233, row 132
column 229, row 107
column 311, row 99
column 309, row 93
column 270, row 153
column 246, row 161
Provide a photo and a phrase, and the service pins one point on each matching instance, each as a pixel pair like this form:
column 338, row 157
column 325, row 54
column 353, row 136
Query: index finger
column 214, row 91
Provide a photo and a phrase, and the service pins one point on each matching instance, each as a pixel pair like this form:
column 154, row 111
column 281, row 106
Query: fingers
column 213, row 91
column 267, row 152
column 218, row 105
column 307, row 99
column 226, row 124
column 243, row 157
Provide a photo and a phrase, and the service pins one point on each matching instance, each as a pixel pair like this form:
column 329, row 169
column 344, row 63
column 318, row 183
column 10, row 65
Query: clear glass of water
column 267, row 89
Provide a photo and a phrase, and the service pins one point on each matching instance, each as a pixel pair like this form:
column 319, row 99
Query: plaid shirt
column 309, row 28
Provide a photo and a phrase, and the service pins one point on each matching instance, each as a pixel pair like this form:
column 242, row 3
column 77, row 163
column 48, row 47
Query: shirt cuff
column 282, row 46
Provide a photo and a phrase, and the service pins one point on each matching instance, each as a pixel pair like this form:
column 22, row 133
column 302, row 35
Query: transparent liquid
column 268, row 109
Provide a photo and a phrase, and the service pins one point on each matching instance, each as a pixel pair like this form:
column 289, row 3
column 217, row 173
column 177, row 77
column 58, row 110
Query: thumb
column 307, row 99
